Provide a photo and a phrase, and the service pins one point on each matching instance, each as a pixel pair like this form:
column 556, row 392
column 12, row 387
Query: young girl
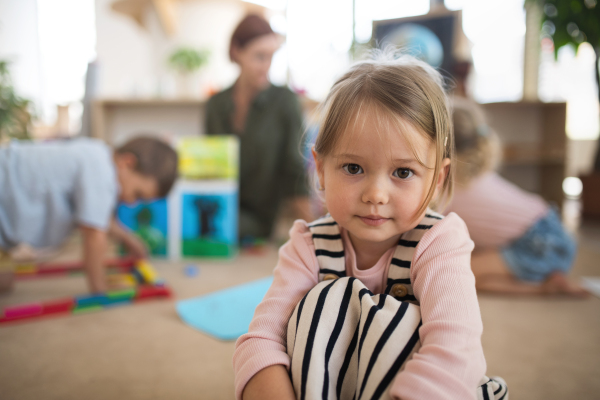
column 383, row 154
column 521, row 246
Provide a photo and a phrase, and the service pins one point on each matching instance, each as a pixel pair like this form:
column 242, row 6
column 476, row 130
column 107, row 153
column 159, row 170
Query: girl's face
column 374, row 185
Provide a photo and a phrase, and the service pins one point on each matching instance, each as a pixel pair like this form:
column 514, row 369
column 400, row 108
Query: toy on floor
column 225, row 314
column 29, row 271
column 141, row 274
column 191, row 271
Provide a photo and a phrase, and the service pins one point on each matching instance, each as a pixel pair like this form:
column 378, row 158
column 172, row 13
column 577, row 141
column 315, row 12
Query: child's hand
column 135, row 246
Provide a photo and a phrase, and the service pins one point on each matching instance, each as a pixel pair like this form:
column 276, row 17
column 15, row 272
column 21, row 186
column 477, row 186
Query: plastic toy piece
column 24, row 310
column 58, row 306
column 28, row 271
column 117, row 303
column 81, row 310
column 92, row 302
column 191, row 270
column 25, row 269
column 145, row 292
column 83, row 304
column 125, row 294
column 123, row 279
column 148, row 273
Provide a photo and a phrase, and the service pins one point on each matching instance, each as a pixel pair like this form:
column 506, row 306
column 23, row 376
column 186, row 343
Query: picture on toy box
column 209, row 224
column 148, row 220
column 209, row 157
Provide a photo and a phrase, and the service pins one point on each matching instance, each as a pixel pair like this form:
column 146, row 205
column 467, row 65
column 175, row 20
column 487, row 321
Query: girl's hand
column 271, row 383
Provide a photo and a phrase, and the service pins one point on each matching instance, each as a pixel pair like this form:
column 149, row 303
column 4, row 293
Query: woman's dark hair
column 251, row 27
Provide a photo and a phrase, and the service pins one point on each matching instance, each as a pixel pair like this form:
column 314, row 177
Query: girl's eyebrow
column 395, row 160
column 406, row 161
column 347, row 155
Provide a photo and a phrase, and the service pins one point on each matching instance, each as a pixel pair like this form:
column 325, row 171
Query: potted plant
column 15, row 117
column 186, row 61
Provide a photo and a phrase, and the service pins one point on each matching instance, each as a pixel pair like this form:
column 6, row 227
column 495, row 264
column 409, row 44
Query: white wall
column 19, row 42
column 133, row 59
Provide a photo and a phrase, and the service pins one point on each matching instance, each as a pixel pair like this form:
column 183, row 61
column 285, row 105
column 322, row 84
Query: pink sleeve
column 450, row 362
column 265, row 343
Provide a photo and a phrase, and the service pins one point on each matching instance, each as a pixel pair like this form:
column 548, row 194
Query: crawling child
column 376, row 300
column 49, row 189
column 521, row 246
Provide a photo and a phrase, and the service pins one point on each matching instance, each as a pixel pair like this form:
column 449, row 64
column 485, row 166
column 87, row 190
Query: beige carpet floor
column 544, row 348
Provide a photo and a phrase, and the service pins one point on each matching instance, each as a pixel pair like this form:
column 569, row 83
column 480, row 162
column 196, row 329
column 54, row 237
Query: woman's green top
column 271, row 163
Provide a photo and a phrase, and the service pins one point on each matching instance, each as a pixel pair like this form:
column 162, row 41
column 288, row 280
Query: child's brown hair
column 155, row 159
column 408, row 91
column 478, row 148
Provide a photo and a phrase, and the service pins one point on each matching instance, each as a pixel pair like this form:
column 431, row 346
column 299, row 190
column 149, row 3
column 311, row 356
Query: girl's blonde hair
column 478, row 148
column 408, row 91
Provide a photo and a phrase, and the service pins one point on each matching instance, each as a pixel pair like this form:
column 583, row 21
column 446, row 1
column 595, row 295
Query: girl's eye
column 403, row 173
column 353, row 169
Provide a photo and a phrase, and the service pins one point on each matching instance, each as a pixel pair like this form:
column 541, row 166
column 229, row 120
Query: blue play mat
column 225, row 314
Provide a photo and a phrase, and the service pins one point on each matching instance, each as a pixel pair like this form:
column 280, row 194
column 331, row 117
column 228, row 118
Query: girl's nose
column 376, row 191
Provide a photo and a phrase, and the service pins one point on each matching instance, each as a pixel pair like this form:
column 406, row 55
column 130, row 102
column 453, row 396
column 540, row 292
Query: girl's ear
column 442, row 175
column 319, row 168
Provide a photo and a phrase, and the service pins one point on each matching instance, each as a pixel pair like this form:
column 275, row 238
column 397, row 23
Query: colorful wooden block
column 147, row 271
column 23, row 310
column 145, row 292
column 58, row 306
column 124, row 294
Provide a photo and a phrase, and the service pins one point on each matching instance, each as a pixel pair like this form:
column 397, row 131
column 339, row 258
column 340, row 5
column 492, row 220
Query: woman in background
column 268, row 121
column 521, row 246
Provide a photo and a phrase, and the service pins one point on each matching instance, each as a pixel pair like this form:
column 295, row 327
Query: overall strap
column 329, row 248
column 398, row 280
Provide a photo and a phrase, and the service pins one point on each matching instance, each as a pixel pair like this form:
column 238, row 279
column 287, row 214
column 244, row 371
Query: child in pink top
column 383, row 154
column 521, row 246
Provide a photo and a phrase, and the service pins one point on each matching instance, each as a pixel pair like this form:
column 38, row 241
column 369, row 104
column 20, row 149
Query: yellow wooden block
column 122, row 279
column 147, row 272
column 25, row 269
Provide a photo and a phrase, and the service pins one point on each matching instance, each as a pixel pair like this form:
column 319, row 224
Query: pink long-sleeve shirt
column 495, row 210
column 449, row 363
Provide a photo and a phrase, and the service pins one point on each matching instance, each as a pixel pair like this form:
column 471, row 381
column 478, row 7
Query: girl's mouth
column 374, row 220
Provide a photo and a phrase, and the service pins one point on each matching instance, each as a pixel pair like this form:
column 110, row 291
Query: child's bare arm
column 270, row 383
column 94, row 252
column 134, row 245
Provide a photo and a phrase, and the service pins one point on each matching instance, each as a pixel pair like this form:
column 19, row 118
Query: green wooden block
column 82, row 310
column 121, row 294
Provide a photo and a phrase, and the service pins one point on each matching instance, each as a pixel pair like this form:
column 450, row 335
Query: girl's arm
column 450, row 362
column 265, row 343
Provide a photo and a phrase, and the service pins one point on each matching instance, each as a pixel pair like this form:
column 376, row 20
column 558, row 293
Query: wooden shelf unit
column 534, row 142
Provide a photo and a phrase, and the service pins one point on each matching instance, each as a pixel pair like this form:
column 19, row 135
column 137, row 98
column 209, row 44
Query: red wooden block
column 58, row 306
column 23, row 310
column 145, row 292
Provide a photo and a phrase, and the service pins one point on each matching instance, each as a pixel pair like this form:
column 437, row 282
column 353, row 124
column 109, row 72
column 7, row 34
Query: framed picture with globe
column 435, row 38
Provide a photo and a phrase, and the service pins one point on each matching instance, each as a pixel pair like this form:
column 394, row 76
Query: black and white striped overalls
column 346, row 343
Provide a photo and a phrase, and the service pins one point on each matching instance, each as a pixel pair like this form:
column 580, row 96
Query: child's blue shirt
column 47, row 189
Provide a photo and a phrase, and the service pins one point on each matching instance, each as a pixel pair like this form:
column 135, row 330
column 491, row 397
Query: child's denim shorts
column 546, row 247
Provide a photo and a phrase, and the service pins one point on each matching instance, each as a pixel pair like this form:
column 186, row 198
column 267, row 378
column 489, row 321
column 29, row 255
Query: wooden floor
column 545, row 349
